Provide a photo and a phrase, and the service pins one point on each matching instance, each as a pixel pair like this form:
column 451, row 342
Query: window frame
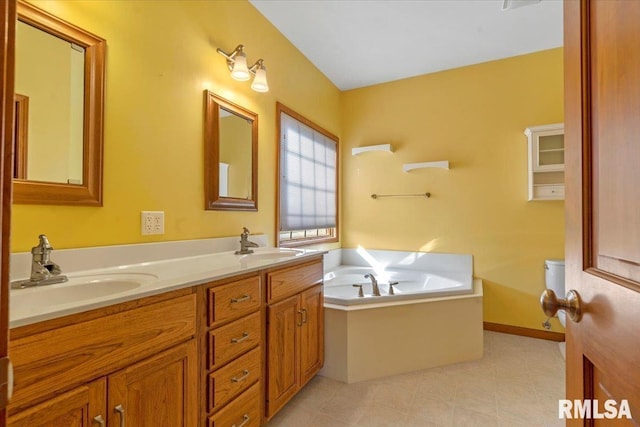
column 333, row 237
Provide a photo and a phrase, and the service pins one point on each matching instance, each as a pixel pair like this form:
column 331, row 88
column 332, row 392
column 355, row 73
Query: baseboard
column 525, row 332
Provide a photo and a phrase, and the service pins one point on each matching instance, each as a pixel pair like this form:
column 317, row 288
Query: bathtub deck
column 380, row 341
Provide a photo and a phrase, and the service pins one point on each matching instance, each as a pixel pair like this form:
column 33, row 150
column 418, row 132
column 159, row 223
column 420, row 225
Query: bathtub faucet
column 374, row 285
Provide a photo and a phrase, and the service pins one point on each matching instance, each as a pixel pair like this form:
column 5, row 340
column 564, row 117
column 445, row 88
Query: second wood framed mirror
column 230, row 155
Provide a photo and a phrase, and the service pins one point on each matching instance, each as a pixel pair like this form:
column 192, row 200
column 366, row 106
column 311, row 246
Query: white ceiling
column 358, row 43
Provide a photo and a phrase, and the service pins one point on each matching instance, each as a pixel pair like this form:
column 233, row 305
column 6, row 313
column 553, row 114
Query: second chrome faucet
column 245, row 243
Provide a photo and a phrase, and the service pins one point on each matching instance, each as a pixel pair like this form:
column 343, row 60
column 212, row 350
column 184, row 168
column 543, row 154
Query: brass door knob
column 572, row 304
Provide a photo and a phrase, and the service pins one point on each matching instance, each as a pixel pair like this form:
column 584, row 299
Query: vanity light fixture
column 237, row 63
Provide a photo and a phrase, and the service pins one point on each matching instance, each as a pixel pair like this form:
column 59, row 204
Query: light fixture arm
column 258, row 64
column 231, row 57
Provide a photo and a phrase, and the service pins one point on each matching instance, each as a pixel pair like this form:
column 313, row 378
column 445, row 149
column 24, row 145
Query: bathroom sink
column 273, row 254
column 79, row 289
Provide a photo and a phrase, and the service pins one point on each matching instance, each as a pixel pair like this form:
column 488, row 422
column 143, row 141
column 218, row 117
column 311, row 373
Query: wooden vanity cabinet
column 210, row 355
column 136, row 360
column 295, row 331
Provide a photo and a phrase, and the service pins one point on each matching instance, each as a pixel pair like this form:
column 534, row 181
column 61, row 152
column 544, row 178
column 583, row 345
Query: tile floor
column 517, row 383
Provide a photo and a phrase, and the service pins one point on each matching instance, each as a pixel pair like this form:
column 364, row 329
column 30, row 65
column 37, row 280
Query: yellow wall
column 474, row 117
column 161, row 55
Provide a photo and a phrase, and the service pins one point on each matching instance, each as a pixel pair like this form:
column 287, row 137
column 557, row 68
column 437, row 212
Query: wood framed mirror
column 60, row 74
column 230, row 155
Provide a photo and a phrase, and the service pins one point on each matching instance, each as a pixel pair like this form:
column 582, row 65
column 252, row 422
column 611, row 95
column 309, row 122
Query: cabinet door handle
column 245, row 335
column 98, row 420
column 241, row 299
column 244, row 376
column 305, row 315
column 120, row 410
column 300, row 313
column 245, row 419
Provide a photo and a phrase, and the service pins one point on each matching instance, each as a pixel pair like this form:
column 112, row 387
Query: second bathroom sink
column 273, row 254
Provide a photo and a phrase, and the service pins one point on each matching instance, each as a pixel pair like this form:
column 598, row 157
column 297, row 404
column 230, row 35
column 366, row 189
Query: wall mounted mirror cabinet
column 231, row 155
column 59, row 85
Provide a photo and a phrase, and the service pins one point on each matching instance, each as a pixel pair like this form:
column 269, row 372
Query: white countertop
column 90, row 289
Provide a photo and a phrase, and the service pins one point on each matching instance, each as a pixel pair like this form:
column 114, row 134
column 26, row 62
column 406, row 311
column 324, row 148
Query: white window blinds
column 308, row 177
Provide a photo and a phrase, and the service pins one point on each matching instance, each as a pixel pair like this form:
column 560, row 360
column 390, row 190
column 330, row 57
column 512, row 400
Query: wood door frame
column 7, row 112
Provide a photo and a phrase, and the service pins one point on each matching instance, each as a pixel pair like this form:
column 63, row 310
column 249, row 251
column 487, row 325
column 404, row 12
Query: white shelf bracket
column 411, row 166
column 382, row 147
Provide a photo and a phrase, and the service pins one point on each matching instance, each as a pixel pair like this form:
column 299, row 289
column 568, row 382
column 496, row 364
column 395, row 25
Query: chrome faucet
column 43, row 270
column 245, row 243
column 374, row 285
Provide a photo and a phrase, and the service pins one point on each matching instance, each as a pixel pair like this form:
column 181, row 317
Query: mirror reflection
column 231, row 138
column 235, row 155
column 49, row 85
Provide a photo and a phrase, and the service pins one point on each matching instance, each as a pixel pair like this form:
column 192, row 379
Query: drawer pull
column 244, row 297
column 98, row 420
column 245, row 335
column 120, row 410
column 300, row 313
column 244, row 376
column 305, row 316
column 245, row 419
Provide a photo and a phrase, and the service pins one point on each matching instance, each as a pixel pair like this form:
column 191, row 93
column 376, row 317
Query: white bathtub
column 412, row 284
column 434, row 319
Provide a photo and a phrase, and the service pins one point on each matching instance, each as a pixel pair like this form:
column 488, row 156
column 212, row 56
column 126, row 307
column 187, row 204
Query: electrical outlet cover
column 152, row 222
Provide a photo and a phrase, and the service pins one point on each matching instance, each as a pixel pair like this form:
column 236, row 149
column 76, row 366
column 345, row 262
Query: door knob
column 572, row 304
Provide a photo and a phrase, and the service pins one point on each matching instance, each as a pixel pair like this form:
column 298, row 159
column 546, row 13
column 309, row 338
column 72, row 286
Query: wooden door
column 602, row 134
column 7, row 46
column 84, row 406
column 283, row 322
column 158, row 392
column 311, row 333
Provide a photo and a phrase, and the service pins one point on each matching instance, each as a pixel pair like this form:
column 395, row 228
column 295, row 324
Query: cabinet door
column 83, row 406
column 311, row 333
column 548, row 150
column 160, row 391
column 283, row 321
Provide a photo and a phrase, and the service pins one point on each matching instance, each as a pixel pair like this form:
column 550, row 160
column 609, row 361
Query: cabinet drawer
column 548, row 191
column 233, row 300
column 231, row 380
column 286, row 282
column 75, row 354
column 230, row 340
column 243, row 411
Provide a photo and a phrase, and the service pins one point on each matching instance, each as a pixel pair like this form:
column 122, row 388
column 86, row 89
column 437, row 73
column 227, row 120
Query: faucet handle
column 391, row 285
column 43, row 245
column 360, row 291
column 245, row 232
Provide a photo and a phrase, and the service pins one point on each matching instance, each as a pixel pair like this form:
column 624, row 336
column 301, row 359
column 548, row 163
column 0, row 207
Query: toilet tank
column 554, row 276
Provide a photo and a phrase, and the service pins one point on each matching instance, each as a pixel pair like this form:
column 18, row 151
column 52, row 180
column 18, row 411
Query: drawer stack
column 234, row 356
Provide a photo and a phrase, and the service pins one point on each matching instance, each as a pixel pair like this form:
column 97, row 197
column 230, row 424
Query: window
column 308, row 177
